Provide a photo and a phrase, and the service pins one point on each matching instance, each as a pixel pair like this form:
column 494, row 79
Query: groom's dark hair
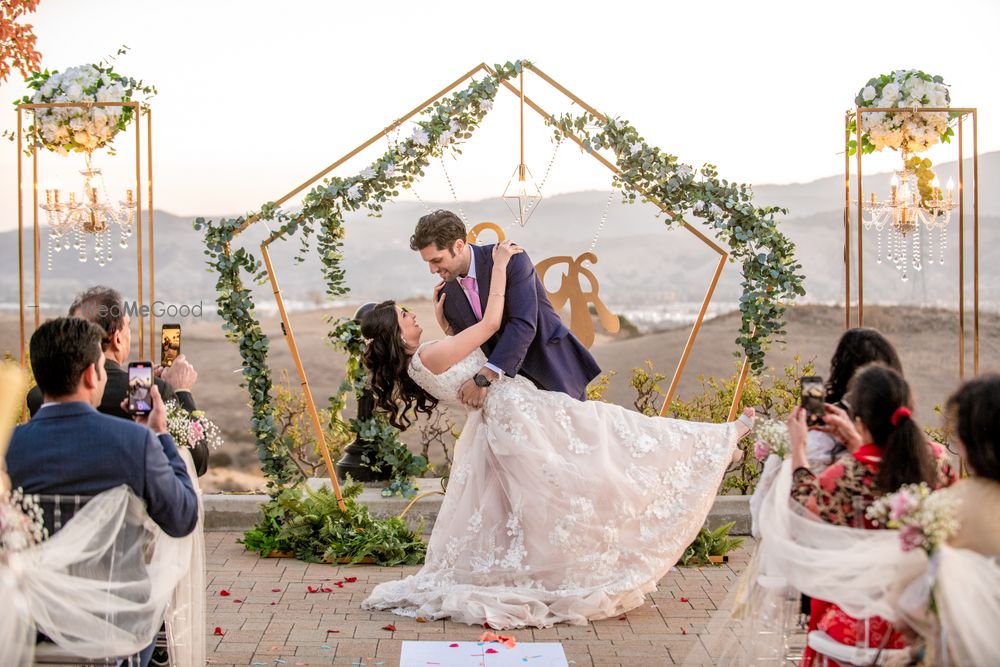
column 442, row 228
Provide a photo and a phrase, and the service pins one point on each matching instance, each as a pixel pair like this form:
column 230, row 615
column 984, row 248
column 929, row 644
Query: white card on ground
column 475, row 654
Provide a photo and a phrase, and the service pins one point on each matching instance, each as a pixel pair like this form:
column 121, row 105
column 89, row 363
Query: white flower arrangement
column 189, row 428
column 771, row 438
column 21, row 523
column 907, row 130
column 925, row 518
column 83, row 128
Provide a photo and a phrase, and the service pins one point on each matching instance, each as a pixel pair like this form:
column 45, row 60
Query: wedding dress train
column 557, row 510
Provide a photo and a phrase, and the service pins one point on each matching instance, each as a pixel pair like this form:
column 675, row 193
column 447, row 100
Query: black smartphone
column 813, row 395
column 140, row 387
column 170, row 343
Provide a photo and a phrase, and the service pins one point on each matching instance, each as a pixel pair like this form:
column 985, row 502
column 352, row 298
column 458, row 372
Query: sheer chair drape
column 99, row 587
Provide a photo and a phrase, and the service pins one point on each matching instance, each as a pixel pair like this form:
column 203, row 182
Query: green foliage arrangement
column 311, row 525
column 710, row 543
column 771, row 276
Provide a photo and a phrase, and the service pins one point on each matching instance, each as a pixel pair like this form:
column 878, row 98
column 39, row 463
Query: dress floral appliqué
column 559, row 510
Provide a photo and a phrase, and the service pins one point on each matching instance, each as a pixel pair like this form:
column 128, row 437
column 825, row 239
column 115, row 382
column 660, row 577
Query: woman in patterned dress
column 888, row 450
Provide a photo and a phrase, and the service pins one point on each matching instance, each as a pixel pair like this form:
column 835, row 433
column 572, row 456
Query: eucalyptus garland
column 771, row 276
column 770, row 273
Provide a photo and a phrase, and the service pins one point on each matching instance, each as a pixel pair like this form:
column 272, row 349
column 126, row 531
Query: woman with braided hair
column 888, row 450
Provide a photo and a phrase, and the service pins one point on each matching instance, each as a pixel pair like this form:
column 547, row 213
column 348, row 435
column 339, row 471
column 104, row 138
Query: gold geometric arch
column 486, row 69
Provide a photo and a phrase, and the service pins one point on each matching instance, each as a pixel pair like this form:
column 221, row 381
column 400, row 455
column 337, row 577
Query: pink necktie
column 469, row 285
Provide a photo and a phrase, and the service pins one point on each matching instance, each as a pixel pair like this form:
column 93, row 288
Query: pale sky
column 255, row 97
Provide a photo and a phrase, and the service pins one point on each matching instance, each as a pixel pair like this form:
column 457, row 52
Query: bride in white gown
column 557, row 510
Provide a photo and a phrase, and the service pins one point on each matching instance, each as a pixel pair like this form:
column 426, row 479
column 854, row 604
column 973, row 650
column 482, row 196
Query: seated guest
column 894, row 452
column 857, row 347
column 105, row 307
column 69, row 448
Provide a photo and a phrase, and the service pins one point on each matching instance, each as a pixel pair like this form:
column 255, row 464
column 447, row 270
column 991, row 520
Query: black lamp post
column 352, row 462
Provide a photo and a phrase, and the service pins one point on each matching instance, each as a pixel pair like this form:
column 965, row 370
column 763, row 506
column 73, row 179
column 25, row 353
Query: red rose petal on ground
column 237, row 601
column 333, row 632
column 224, row 593
column 312, row 590
column 339, row 584
column 684, row 599
column 327, row 589
column 390, row 627
column 275, row 590
column 218, row 632
column 350, row 580
column 623, row 617
column 452, row 645
column 492, row 650
column 684, row 631
column 273, row 603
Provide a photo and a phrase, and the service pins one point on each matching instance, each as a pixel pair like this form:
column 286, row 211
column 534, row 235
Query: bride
column 557, row 510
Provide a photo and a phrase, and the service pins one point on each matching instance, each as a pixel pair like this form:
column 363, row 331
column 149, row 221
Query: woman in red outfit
column 888, row 451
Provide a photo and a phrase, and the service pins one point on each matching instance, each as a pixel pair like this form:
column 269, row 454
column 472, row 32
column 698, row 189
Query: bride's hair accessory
column 900, row 414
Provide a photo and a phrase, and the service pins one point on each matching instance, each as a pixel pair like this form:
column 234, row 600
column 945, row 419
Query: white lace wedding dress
column 557, row 510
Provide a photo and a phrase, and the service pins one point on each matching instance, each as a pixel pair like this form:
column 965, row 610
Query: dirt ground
column 927, row 340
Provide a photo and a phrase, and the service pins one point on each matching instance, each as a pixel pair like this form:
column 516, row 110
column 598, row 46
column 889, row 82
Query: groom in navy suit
column 532, row 341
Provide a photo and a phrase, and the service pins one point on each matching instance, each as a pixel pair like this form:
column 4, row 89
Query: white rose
column 74, row 92
column 890, row 93
column 868, row 94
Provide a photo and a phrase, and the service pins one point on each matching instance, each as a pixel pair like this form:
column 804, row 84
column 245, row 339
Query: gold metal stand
column 964, row 114
column 138, row 110
column 519, row 92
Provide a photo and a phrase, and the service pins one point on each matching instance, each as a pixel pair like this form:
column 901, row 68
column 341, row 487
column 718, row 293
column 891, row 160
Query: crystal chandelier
column 902, row 216
column 71, row 221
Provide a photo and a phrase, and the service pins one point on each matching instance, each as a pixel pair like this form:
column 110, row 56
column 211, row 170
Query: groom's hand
column 472, row 395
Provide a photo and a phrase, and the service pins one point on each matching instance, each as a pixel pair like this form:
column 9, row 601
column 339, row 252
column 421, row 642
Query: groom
column 532, row 340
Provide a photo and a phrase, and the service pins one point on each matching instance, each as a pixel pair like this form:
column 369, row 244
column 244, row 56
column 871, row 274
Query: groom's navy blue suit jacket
column 71, row 448
column 532, row 341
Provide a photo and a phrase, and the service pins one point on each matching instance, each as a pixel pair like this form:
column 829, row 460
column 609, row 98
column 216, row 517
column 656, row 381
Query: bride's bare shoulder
column 432, row 356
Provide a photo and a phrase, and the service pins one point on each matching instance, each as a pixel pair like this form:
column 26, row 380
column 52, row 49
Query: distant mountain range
column 641, row 264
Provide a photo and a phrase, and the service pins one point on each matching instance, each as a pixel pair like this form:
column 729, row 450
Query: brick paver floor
column 269, row 618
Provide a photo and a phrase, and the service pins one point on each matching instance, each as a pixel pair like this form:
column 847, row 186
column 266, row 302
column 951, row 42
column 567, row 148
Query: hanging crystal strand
column 904, row 260
column 451, row 187
column 915, row 251
column 81, row 245
column 930, row 247
column 942, row 244
column 878, row 257
column 107, row 246
column 604, row 218
column 48, row 250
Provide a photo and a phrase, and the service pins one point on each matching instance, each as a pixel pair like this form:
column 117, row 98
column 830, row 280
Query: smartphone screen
column 170, row 343
column 813, row 395
column 140, row 384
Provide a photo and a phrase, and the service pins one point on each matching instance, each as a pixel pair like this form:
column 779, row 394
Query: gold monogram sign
column 570, row 290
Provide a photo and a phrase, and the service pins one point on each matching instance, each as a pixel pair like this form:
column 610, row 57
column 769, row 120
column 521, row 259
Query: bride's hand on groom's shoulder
column 502, row 252
column 439, row 297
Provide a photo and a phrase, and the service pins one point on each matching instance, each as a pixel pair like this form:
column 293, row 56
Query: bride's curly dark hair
column 386, row 359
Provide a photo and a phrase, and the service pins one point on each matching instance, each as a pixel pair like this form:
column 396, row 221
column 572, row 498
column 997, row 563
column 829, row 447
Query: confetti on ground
column 684, row 599
column 390, row 627
column 224, row 593
column 275, row 590
column 218, row 632
column 350, row 580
